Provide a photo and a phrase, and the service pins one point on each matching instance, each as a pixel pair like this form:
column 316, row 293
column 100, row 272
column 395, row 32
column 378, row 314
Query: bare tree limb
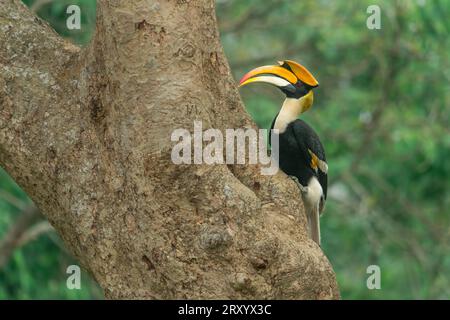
column 8, row 197
column 34, row 232
column 14, row 236
column 38, row 4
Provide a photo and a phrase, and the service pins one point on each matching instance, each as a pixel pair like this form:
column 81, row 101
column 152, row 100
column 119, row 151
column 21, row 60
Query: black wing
column 306, row 136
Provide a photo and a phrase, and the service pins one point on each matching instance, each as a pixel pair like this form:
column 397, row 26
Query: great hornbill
column 301, row 154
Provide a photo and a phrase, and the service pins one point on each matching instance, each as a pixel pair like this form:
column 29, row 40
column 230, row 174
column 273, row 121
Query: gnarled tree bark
column 86, row 133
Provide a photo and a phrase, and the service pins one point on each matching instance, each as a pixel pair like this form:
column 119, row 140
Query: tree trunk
column 86, row 133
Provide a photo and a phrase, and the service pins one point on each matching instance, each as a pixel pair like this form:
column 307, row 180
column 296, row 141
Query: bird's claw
column 302, row 188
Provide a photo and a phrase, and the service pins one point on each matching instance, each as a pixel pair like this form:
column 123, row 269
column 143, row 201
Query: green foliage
column 38, row 269
column 54, row 12
column 382, row 111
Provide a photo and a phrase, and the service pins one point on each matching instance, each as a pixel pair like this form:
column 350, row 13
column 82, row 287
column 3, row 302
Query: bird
column 301, row 154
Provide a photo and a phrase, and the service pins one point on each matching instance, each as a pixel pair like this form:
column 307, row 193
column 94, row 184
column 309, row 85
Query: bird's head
column 293, row 79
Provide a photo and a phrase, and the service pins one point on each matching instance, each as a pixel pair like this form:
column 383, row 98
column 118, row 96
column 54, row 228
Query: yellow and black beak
column 275, row 75
column 285, row 76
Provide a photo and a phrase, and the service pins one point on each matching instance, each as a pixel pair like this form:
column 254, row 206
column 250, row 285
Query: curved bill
column 275, row 75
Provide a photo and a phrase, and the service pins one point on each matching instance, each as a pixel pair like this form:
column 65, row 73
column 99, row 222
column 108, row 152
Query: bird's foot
column 303, row 189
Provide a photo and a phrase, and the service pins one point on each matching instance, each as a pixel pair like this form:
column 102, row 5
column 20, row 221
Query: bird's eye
column 301, row 88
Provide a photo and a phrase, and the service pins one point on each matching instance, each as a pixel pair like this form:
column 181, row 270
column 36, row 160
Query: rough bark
column 86, row 133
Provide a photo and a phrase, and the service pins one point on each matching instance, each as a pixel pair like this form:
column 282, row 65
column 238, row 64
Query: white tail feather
column 314, row 224
column 312, row 200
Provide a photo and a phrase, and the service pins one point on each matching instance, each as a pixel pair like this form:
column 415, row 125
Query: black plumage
column 294, row 157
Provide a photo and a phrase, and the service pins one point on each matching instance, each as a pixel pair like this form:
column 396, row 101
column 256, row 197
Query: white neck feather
column 290, row 111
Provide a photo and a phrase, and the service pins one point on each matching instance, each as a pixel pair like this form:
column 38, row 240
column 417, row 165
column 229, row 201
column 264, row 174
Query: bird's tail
column 312, row 215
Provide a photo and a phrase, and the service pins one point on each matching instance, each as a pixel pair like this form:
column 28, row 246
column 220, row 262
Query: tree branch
column 36, row 88
column 38, row 4
column 14, row 236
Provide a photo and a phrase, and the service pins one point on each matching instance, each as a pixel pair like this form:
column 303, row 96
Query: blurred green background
column 382, row 111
